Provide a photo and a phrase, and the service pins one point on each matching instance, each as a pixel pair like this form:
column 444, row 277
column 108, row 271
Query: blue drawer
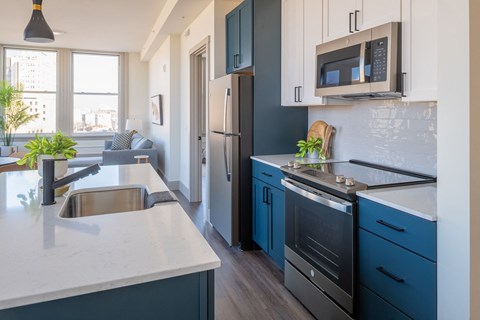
column 402, row 278
column 267, row 174
column 372, row 307
column 411, row 232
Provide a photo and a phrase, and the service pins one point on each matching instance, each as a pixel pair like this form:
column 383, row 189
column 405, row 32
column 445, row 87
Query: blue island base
column 184, row 297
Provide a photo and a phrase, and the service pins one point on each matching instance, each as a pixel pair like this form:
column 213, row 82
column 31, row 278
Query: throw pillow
column 136, row 138
column 122, row 141
column 144, row 143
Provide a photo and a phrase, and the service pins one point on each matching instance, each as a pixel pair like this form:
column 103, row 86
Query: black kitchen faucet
column 49, row 183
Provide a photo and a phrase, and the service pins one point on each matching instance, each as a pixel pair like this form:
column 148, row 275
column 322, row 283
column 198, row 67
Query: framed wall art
column 157, row 109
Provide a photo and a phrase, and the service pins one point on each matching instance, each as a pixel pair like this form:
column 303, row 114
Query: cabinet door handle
column 263, row 194
column 270, row 232
column 350, row 14
column 235, row 60
column 391, row 226
column 299, row 94
column 404, row 83
column 389, row 274
column 268, row 196
column 295, row 99
column 267, row 174
column 356, row 20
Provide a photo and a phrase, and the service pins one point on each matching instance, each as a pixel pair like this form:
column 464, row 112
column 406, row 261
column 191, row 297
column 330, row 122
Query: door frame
column 196, row 54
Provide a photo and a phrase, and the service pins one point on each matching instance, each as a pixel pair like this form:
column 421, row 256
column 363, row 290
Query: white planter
column 61, row 167
column 5, row 151
column 313, row 155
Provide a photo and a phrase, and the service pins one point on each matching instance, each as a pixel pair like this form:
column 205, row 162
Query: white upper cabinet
column 301, row 33
column 419, row 50
column 343, row 17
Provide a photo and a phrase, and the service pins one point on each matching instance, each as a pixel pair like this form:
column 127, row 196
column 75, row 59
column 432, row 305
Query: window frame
column 120, row 121
column 64, row 91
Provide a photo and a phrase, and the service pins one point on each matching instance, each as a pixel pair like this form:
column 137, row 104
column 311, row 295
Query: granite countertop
column 45, row 257
column 279, row 160
column 418, row 200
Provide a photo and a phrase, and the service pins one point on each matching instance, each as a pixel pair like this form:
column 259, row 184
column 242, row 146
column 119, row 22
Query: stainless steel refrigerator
column 230, row 143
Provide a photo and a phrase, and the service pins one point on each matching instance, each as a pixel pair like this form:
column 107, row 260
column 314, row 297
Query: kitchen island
column 146, row 264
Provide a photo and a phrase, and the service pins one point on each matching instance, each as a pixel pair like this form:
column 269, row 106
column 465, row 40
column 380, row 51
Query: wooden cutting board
column 321, row 129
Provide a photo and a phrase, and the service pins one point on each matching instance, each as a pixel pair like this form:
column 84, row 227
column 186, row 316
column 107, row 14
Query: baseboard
column 185, row 191
column 172, row 185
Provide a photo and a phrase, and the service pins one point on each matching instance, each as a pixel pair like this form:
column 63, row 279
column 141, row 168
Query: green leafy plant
column 13, row 112
column 311, row 145
column 58, row 145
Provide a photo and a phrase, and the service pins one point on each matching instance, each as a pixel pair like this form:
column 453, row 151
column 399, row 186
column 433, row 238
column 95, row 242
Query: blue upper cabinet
column 239, row 32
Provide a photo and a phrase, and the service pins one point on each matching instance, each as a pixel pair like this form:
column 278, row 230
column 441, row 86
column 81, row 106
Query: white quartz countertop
column 279, row 160
column 45, row 257
column 418, row 200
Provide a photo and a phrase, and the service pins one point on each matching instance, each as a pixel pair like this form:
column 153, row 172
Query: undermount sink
column 95, row 202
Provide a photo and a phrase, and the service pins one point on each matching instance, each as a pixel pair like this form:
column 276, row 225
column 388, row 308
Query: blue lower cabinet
column 404, row 279
column 260, row 214
column 277, row 226
column 268, row 207
column 375, row 308
column 184, row 297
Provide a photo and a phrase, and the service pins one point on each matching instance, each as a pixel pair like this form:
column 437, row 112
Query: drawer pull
column 391, row 226
column 267, row 174
column 390, row 275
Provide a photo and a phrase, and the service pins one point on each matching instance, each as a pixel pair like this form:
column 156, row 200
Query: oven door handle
column 332, row 202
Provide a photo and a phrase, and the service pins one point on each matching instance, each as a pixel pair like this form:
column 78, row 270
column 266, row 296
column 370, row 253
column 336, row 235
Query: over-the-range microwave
column 364, row 65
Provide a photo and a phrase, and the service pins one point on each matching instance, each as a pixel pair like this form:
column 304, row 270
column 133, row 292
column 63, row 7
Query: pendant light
column 37, row 29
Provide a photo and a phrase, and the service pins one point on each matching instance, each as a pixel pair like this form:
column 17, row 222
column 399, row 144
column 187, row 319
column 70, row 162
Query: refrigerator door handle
column 225, row 157
column 225, row 136
column 225, row 107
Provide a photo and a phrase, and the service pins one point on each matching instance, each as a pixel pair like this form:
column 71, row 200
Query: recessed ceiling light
column 58, row 32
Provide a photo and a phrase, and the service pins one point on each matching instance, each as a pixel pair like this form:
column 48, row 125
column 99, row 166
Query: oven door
column 319, row 240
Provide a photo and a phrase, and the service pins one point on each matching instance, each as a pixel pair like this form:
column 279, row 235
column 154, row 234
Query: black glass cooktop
column 366, row 174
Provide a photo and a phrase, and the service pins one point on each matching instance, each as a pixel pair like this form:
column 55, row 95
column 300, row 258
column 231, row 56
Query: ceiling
column 104, row 25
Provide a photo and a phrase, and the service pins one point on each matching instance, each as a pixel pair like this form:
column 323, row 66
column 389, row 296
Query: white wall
column 388, row 132
column 457, row 198
column 137, row 100
column 201, row 28
column 173, row 139
column 163, row 70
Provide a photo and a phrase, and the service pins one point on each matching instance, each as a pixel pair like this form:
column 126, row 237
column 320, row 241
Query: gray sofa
column 139, row 146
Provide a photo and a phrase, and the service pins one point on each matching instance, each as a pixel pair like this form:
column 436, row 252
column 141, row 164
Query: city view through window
column 36, row 72
column 95, row 98
column 95, row 87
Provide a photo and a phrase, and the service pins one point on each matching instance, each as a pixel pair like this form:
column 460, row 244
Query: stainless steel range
column 321, row 230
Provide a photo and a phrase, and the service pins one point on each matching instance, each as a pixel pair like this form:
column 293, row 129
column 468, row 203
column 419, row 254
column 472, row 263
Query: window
column 79, row 93
column 96, row 93
column 36, row 71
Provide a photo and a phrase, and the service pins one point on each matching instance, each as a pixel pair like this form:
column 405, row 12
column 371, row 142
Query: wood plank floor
column 248, row 285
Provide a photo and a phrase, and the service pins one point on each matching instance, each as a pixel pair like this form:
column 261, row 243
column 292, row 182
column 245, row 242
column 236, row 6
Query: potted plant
column 59, row 146
column 313, row 146
column 13, row 115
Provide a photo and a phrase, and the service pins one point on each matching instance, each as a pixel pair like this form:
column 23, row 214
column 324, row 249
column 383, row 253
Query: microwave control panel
column 379, row 49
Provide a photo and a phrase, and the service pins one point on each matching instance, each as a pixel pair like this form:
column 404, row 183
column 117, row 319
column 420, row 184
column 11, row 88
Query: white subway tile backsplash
column 388, row 132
